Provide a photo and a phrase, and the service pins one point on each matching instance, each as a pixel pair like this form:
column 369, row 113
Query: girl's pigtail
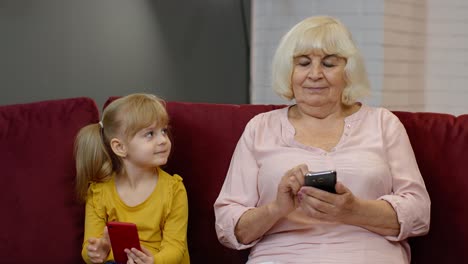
column 93, row 162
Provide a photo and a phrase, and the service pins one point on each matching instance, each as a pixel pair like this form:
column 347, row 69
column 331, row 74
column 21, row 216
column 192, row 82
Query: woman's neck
column 321, row 116
column 332, row 111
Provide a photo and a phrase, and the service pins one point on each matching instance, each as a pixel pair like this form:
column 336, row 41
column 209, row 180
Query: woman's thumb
column 340, row 188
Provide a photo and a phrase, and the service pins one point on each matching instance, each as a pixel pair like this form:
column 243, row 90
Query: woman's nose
column 315, row 72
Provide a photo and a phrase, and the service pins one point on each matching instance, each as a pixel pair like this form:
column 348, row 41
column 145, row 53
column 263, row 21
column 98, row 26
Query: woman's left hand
column 319, row 204
column 136, row 256
column 377, row 216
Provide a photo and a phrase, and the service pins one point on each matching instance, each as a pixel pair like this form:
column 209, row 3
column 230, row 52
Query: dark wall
column 179, row 49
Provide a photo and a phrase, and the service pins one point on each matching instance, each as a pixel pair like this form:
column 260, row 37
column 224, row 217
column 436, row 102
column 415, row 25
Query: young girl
column 119, row 176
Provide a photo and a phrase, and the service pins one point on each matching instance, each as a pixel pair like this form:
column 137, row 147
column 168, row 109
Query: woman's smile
column 315, row 89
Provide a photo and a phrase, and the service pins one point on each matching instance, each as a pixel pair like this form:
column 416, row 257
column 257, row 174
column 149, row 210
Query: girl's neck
column 135, row 186
column 132, row 176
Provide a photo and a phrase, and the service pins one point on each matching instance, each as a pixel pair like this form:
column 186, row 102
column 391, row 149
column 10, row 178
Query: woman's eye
column 328, row 64
column 164, row 131
column 303, row 62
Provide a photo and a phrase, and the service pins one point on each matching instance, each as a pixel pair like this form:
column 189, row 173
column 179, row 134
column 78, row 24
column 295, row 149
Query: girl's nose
column 162, row 138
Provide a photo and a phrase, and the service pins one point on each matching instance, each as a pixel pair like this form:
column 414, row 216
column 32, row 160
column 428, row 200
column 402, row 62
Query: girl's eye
column 149, row 134
column 164, row 131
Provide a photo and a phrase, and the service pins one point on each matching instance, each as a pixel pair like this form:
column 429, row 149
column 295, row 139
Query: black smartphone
column 324, row 180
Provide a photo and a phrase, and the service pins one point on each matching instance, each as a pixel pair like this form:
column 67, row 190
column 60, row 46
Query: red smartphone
column 122, row 235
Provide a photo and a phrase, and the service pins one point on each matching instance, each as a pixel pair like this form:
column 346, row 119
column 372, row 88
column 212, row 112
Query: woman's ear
column 118, row 147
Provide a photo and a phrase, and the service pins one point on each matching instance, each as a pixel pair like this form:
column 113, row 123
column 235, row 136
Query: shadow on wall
column 180, row 50
column 208, row 48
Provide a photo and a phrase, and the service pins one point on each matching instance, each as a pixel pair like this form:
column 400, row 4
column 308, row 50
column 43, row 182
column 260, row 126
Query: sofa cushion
column 440, row 143
column 204, row 138
column 41, row 220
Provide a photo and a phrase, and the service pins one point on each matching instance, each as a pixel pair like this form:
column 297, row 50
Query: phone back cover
column 122, row 235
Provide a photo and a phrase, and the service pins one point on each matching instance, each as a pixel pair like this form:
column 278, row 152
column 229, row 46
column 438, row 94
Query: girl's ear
column 118, row 147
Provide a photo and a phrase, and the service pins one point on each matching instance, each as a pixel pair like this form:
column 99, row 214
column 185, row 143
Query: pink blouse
column 373, row 158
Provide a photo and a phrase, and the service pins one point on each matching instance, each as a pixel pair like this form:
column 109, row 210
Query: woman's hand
column 136, row 256
column 377, row 216
column 319, row 204
column 255, row 222
column 98, row 248
column 288, row 188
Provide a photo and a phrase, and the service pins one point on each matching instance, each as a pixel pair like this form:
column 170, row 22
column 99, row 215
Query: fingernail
column 299, row 196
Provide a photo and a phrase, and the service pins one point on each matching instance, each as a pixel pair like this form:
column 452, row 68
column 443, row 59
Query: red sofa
column 42, row 223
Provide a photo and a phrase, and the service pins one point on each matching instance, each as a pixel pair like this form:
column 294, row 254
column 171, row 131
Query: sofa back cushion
column 41, row 220
column 204, row 138
column 440, row 143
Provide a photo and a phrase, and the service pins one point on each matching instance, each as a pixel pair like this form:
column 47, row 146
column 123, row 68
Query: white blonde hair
column 330, row 36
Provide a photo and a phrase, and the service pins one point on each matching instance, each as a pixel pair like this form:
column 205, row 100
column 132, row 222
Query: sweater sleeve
column 409, row 198
column 174, row 244
column 95, row 219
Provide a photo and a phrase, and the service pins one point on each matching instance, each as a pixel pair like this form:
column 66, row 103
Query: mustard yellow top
column 161, row 219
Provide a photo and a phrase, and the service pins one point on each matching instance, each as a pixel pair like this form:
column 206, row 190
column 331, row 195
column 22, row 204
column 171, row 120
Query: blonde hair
column 95, row 160
column 330, row 36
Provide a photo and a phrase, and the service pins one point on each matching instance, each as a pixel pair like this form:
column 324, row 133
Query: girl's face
column 150, row 147
column 318, row 79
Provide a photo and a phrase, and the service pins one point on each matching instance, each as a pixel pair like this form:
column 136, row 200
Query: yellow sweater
column 161, row 219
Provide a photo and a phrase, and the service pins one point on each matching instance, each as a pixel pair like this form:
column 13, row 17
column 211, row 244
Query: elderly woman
column 380, row 198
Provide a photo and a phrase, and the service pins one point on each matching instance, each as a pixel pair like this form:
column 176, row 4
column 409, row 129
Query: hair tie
column 100, row 124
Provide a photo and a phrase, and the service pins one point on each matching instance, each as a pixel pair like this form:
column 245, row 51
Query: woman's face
column 318, row 79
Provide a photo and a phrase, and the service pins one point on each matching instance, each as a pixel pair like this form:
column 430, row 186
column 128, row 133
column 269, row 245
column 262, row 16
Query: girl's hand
column 136, row 256
column 98, row 248
column 288, row 187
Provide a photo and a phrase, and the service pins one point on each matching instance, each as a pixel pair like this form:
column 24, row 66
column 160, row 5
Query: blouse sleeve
column 239, row 192
column 409, row 199
column 174, row 243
